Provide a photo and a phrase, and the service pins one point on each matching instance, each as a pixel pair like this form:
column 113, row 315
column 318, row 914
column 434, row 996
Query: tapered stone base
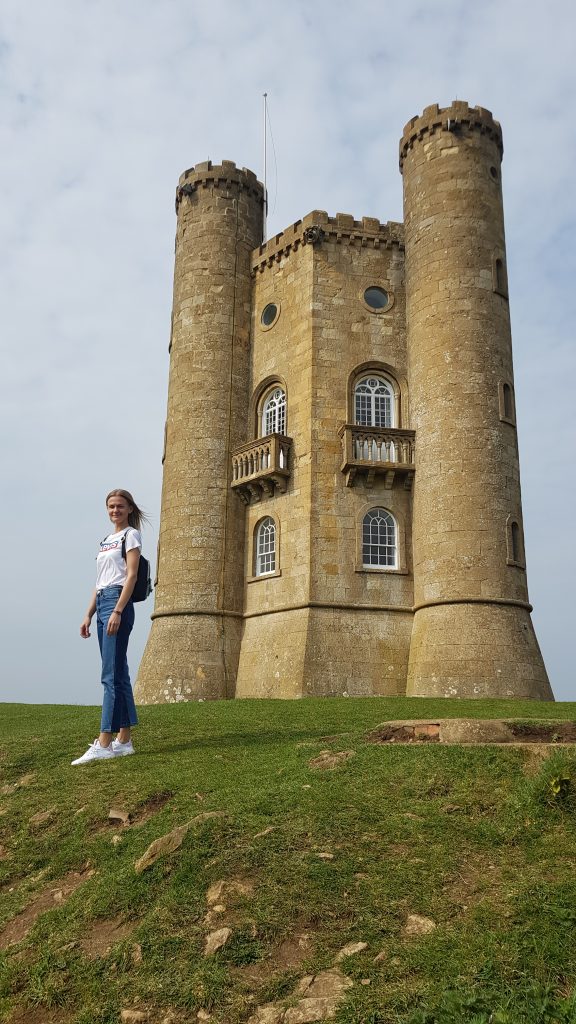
column 476, row 650
column 188, row 657
column 324, row 652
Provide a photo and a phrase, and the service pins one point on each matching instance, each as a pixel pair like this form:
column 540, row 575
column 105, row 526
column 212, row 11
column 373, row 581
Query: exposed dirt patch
column 289, row 955
column 477, row 879
column 534, row 755
column 120, row 816
column 328, row 759
column 11, row 787
column 102, row 935
column 38, row 1015
column 151, row 806
column 54, row 896
column 538, row 732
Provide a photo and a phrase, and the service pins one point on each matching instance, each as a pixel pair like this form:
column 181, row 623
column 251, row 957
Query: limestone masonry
column 341, row 509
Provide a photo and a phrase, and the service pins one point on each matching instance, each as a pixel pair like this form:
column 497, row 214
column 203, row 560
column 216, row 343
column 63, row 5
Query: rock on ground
column 349, row 950
column 225, row 887
column 328, row 759
column 319, row 999
column 171, row 841
column 417, row 925
column 216, row 940
column 161, row 848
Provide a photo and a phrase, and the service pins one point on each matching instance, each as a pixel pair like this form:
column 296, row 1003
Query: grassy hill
column 453, row 865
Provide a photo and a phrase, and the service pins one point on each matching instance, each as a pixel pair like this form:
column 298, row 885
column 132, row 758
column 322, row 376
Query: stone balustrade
column 385, row 451
column 261, row 467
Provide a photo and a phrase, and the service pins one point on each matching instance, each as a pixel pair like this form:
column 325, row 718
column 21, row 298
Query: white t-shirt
column 110, row 566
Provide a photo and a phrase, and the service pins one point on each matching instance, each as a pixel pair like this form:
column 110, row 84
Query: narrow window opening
column 508, row 402
column 516, row 542
column 500, row 277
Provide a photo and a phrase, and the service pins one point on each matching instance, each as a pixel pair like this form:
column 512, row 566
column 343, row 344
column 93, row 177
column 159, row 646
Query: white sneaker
column 94, row 753
column 122, row 749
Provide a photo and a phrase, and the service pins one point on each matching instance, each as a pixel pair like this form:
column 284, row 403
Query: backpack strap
column 124, row 546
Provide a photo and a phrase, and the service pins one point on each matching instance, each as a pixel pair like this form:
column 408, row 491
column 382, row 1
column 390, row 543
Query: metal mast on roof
column 265, row 204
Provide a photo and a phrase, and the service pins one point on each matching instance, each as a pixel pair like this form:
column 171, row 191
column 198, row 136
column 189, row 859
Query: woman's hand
column 85, row 627
column 113, row 623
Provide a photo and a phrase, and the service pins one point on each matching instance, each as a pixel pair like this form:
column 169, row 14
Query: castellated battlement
column 317, row 227
column 459, row 115
column 223, row 174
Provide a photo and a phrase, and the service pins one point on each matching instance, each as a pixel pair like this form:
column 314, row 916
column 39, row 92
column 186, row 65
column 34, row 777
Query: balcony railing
column 382, row 451
column 261, row 467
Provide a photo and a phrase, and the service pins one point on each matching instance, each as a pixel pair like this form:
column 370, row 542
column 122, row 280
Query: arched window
column 374, row 402
column 265, row 547
column 274, row 413
column 379, row 544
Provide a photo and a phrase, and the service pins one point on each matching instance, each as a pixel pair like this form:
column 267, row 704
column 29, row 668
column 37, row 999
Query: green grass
column 480, row 839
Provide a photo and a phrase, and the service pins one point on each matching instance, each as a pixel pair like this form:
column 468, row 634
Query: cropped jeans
column 118, row 708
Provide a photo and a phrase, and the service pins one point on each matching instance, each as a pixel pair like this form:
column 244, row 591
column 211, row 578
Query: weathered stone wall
column 343, row 629
column 350, row 650
column 467, row 488
column 274, row 641
column 193, row 646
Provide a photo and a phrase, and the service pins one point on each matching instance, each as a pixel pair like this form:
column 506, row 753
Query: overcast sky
column 102, row 104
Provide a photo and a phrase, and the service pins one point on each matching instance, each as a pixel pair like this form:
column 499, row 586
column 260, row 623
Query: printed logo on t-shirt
column 109, row 545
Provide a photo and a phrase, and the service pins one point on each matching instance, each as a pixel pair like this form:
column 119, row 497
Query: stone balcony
column 377, row 451
column 261, row 467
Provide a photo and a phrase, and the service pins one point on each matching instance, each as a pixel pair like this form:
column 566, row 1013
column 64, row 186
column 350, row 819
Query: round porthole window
column 377, row 299
column 269, row 314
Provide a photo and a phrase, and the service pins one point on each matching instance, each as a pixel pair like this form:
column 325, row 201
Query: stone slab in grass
column 171, row 842
column 473, row 730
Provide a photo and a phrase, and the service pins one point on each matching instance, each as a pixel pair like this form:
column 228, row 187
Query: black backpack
column 143, row 585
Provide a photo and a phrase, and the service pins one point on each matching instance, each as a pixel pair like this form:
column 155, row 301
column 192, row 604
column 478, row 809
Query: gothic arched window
column 374, row 402
column 379, row 540
column 265, row 547
column 274, row 413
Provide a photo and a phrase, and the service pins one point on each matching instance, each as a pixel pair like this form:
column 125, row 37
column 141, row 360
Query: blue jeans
column 118, row 708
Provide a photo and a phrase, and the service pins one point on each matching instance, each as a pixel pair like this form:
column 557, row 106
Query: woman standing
column 116, row 570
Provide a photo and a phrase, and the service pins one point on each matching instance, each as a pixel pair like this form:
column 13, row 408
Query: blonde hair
column 136, row 517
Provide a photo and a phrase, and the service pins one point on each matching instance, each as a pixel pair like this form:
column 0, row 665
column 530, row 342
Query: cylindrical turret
column 472, row 633
column 194, row 642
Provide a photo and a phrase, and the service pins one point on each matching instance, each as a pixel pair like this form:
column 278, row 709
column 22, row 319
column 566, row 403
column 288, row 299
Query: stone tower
column 341, row 507
column 194, row 643
column 472, row 633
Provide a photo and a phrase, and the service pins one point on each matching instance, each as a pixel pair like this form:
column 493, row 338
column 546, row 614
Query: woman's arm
column 132, row 560
column 85, row 627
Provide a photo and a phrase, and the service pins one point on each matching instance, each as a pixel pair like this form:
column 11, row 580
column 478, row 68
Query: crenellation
column 342, row 228
column 455, row 118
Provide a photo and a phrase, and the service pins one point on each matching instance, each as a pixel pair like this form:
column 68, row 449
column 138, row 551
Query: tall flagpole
column 265, row 206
